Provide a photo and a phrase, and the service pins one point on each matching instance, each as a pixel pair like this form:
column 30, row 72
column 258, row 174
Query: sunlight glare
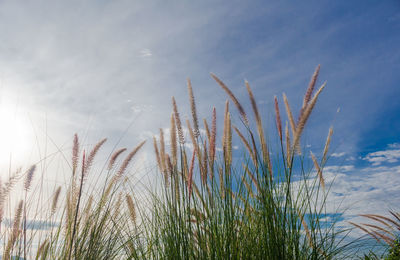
column 15, row 138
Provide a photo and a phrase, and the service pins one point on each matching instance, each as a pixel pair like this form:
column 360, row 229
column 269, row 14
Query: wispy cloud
column 338, row 154
column 390, row 155
column 146, row 53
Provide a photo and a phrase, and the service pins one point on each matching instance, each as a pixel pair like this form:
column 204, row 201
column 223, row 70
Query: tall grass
column 259, row 200
column 85, row 223
column 257, row 203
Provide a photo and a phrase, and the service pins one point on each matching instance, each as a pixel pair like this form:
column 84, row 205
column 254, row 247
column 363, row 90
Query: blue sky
column 93, row 67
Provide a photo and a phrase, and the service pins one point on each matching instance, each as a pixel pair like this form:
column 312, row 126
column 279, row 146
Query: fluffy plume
column 326, row 148
column 192, row 137
column 114, row 157
column 311, row 85
column 234, row 99
column 288, row 152
column 117, row 206
column 289, row 114
column 162, row 151
column 15, row 231
column 92, row 154
column 383, row 218
column 204, row 164
column 304, row 118
column 17, row 217
column 157, row 154
column 129, row 158
column 309, row 91
column 190, row 177
column 260, row 129
column 228, row 137
column 55, row 200
column 278, row 118
column 131, row 208
column 387, row 235
column 29, row 177
column 193, row 109
column 178, row 122
column 174, row 146
column 365, row 230
column 305, row 226
column 6, row 189
column 225, row 123
column 319, row 171
column 170, row 168
column 254, row 105
column 213, row 135
column 75, row 154
column 207, row 129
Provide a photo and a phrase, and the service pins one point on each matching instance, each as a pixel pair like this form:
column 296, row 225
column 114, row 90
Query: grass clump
column 257, row 200
column 240, row 205
column 85, row 223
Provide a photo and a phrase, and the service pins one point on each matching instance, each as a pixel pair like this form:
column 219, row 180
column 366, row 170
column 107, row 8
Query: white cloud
column 338, row 169
column 355, row 191
column 146, row 53
column 360, row 190
column 390, row 155
column 338, row 154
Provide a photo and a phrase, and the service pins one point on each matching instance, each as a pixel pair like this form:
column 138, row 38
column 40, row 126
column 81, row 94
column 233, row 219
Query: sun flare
column 15, row 139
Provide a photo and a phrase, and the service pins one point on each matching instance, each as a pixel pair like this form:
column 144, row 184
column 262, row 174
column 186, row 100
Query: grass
column 256, row 202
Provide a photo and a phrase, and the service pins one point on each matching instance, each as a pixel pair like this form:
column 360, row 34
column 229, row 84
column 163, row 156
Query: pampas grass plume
column 178, row 122
column 131, row 208
column 233, row 98
column 114, row 157
column 29, row 177
column 193, row 109
column 128, row 159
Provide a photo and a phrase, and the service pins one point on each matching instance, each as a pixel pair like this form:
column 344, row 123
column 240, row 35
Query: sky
column 110, row 68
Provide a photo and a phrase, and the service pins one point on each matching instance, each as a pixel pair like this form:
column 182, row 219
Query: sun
column 15, row 135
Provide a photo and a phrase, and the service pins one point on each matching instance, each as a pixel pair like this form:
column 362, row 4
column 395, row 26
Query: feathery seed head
column 213, row 134
column 326, row 148
column 29, row 177
column 192, row 136
column 178, row 122
column 92, row 154
column 157, row 154
column 114, row 158
column 289, row 114
column 162, row 150
column 131, row 208
column 75, row 154
column 193, row 110
column 311, row 85
column 55, row 200
column 304, row 117
column 174, row 146
column 278, row 118
column 233, row 98
column 128, row 159
column 190, row 177
column 319, row 170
